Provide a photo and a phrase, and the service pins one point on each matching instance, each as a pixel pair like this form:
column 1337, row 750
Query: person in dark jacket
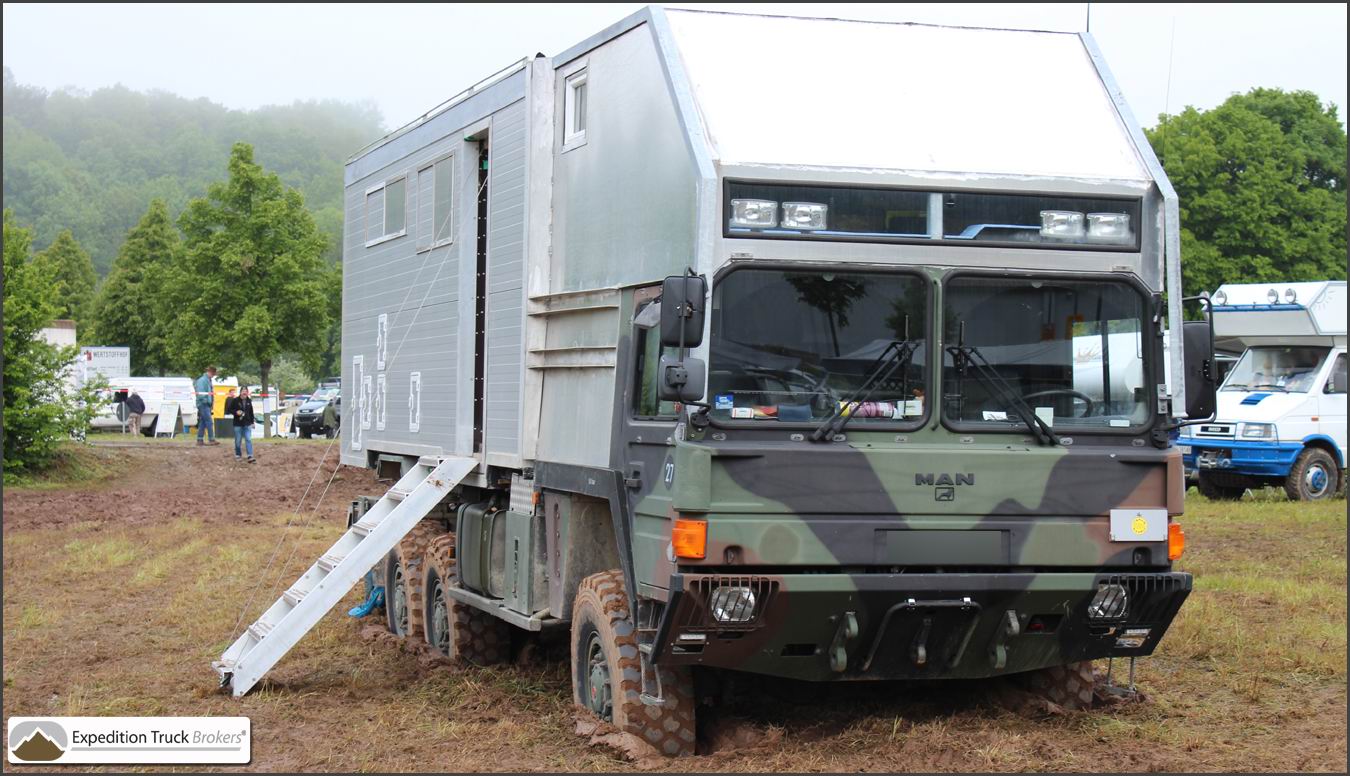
column 135, row 409
column 240, row 408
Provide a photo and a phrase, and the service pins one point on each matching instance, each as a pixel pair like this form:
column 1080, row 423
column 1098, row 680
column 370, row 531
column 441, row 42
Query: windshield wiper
column 1263, row 386
column 966, row 356
column 897, row 355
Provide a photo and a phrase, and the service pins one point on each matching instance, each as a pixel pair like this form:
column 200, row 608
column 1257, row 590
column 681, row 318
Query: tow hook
column 1007, row 629
column 843, row 636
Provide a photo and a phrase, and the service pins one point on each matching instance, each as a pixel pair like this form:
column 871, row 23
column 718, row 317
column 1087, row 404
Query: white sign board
column 167, row 420
column 110, row 362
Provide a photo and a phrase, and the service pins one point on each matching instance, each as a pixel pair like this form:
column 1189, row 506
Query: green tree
column 41, row 410
column 1261, row 181
column 250, row 283
column 130, row 309
column 72, row 272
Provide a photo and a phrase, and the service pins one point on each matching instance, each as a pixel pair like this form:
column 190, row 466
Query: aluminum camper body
column 501, row 250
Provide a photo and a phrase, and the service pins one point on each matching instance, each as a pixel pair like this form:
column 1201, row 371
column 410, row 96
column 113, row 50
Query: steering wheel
column 1087, row 412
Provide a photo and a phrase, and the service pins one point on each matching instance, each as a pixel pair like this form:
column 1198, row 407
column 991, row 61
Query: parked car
column 321, row 413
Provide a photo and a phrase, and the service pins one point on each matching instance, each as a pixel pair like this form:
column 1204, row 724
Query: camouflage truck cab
column 808, row 348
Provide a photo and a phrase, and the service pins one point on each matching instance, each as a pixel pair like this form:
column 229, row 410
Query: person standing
column 135, row 409
column 240, row 408
column 204, row 387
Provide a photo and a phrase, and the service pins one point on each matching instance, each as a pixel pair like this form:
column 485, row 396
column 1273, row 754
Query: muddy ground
column 119, row 592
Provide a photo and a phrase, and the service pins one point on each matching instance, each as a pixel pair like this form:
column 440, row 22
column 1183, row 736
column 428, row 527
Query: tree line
column 237, row 280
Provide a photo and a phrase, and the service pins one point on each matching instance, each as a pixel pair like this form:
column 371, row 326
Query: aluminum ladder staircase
column 320, row 588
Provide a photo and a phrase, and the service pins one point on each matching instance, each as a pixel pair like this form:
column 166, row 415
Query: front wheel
column 1315, row 476
column 1217, row 491
column 306, row 433
column 607, row 671
column 1071, row 687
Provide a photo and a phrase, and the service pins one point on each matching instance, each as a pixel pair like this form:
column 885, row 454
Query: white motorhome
column 154, row 391
column 1281, row 412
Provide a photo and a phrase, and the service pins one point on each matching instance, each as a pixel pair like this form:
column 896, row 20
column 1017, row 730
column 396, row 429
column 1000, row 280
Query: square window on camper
column 574, row 110
column 386, row 211
column 435, row 216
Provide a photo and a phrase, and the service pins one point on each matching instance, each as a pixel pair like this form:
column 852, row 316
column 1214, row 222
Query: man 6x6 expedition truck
column 808, row 348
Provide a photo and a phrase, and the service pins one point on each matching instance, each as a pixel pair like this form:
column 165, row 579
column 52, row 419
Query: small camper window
column 574, row 110
column 386, row 211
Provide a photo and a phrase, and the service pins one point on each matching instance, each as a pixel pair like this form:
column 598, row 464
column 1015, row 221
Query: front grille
column 1215, row 430
column 698, row 615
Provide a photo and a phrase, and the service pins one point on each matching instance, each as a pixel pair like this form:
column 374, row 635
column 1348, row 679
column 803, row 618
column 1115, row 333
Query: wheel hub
column 440, row 623
column 598, row 692
column 1316, row 479
column 400, row 603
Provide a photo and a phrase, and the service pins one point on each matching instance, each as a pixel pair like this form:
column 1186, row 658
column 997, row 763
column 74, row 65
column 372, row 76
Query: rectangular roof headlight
column 1109, row 228
column 754, row 213
column 1062, row 224
column 806, row 216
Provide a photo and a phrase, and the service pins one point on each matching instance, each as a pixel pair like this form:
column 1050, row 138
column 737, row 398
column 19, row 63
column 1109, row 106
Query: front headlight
column 733, row 604
column 1109, row 603
column 1257, row 431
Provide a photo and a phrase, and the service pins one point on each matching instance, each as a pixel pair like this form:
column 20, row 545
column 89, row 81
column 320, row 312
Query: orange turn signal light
column 1176, row 541
column 689, row 538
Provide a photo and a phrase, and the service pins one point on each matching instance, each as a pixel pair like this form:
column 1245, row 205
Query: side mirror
column 1201, row 384
column 681, row 380
column 682, row 311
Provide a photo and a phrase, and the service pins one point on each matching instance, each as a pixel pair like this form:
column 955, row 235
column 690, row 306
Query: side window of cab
column 648, row 351
column 1336, row 378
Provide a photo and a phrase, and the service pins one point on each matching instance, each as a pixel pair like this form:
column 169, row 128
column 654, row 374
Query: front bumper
column 1256, row 459
column 827, row 627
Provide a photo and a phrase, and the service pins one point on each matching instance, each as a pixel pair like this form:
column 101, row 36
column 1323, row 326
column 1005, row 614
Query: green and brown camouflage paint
column 923, row 554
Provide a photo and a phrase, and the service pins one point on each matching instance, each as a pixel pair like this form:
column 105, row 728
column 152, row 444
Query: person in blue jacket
column 205, row 390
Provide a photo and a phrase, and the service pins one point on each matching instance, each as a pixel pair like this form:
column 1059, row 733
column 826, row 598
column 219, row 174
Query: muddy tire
column 456, row 630
column 607, row 674
column 404, row 574
column 1070, row 687
column 1314, row 476
column 1215, row 490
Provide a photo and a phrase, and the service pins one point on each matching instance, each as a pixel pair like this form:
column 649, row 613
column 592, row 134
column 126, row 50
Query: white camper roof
column 1284, row 313
column 828, row 93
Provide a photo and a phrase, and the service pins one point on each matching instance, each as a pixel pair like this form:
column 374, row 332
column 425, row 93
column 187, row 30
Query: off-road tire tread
column 669, row 729
column 476, row 637
column 1070, row 687
column 411, row 552
column 1216, row 492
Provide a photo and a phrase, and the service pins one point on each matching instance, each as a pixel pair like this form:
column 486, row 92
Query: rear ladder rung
column 328, row 562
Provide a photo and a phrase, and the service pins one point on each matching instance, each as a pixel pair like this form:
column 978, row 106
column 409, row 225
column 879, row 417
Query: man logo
column 38, row 741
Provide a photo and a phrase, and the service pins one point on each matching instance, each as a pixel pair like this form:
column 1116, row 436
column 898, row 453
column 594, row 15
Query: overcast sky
column 407, row 58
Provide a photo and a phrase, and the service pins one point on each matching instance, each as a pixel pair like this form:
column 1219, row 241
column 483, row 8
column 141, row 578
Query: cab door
column 1331, row 405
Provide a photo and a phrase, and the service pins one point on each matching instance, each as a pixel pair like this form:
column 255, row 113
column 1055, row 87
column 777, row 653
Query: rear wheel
column 1216, row 490
column 453, row 629
column 1315, row 476
column 1070, row 687
column 606, row 670
column 403, row 579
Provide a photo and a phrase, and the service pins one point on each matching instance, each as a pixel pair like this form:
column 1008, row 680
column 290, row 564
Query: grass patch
column 74, row 465
column 84, row 556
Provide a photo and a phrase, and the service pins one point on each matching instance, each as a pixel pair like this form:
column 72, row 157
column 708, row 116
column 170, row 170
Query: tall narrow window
column 443, row 214
column 396, row 207
column 386, row 211
column 574, row 110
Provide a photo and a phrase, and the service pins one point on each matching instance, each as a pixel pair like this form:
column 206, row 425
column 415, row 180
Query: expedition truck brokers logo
column 129, row 740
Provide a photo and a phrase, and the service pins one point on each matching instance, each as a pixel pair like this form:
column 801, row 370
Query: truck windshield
column 1281, row 369
column 791, row 346
column 1073, row 351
